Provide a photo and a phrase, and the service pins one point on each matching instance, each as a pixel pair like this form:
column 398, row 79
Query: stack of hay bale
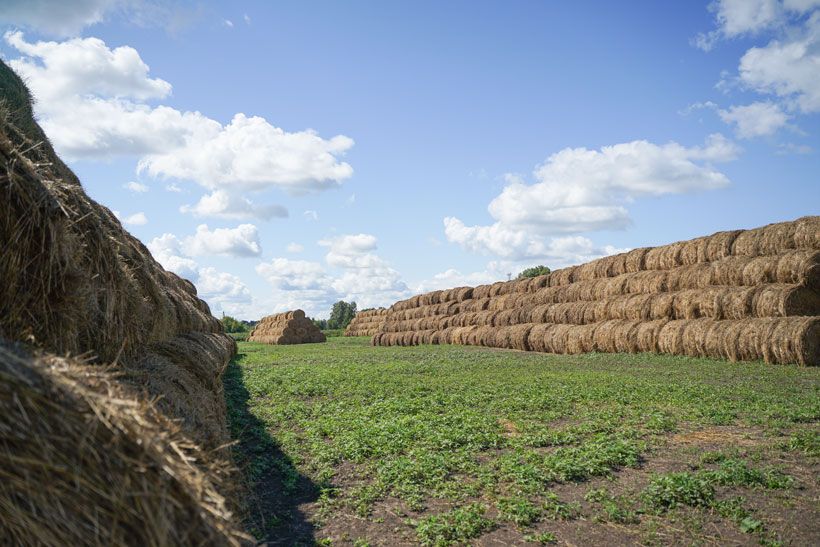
column 744, row 294
column 290, row 327
column 119, row 443
column 366, row 322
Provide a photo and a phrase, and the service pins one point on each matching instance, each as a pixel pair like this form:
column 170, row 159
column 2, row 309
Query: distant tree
column 341, row 315
column 535, row 271
column 321, row 324
column 233, row 325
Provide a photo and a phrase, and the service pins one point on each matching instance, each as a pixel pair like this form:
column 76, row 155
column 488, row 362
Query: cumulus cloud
column 56, row 17
column 755, row 120
column 454, row 278
column 221, row 287
column 294, row 248
column 136, row 187
column 242, row 241
column 352, row 251
column 580, row 190
column 93, row 102
column 287, row 274
column 221, row 290
column 788, row 69
column 785, row 70
column 137, row 219
column 362, row 276
column 221, row 204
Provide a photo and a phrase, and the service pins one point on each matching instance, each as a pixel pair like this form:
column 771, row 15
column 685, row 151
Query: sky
column 290, row 154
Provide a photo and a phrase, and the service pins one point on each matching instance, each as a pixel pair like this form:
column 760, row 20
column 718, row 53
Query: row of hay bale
column 125, row 442
column 366, row 322
column 290, row 327
column 758, row 287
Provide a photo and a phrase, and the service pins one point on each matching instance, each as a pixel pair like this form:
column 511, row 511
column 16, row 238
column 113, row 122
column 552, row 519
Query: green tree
column 321, row 324
column 341, row 315
column 232, row 325
column 535, row 271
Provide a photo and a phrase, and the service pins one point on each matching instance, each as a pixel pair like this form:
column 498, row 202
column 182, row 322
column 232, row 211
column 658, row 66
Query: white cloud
column 221, row 287
column 736, row 17
column 136, row 187
column 167, row 250
column 294, row 248
column 352, row 251
column 56, row 17
column 247, row 19
column 251, row 154
column 173, row 188
column 365, row 277
column 228, row 23
column 91, row 102
column 579, row 190
column 788, row 69
column 137, row 219
column 287, row 274
column 756, row 119
column 311, row 215
column 242, row 241
column 221, row 204
column 83, row 66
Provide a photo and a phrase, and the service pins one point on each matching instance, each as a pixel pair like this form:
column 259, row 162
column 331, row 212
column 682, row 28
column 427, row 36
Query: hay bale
column 291, row 327
column 86, row 460
column 367, row 322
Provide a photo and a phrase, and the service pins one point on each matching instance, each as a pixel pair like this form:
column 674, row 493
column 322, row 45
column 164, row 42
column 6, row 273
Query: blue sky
column 291, row 154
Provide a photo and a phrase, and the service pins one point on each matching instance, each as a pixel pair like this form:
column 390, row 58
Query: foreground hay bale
column 366, row 322
column 86, row 461
column 743, row 294
column 290, row 327
column 73, row 281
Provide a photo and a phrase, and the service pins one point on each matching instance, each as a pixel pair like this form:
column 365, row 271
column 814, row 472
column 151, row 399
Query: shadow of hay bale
column 275, row 488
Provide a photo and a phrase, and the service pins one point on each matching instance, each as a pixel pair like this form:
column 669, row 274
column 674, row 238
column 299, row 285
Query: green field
column 343, row 443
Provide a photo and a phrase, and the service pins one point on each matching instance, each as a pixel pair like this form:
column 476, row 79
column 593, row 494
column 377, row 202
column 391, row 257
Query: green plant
column 458, row 525
column 535, row 271
column 668, row 491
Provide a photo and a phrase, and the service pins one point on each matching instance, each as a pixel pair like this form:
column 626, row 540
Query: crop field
column 346, row 444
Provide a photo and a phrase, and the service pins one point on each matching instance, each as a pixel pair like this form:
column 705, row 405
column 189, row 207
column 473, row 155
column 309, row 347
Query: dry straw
column 290, row 327
column 85, row 462
column 737, row 295
column 367, row 322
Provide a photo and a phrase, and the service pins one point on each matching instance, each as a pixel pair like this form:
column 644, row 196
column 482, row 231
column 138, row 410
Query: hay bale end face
column 742, row 294
column 290, row 327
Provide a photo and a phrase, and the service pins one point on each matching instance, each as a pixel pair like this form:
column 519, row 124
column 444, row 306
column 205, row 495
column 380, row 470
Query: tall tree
column 341, row 315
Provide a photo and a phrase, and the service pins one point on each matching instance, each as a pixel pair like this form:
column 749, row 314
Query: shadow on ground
column 276, row 490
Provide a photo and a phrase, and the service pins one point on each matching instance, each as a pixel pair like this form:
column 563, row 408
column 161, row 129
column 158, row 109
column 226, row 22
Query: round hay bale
column 647, row 335
column 536, row 337
column 635, row 260
column 464, row 293
column 664, row 258
column 519, row 336
column 807, row 233
column 482, row 291
column 695, row 336
column 670, row 337
column 694, row 250
column 555, row 340
column 581, row 339
column 561, row 277
column 538, row 283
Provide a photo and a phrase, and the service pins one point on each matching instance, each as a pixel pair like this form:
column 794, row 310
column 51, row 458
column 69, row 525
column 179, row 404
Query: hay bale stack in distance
column 741, row 294
column 290, row 327
column 73, row 281
column 366, row 322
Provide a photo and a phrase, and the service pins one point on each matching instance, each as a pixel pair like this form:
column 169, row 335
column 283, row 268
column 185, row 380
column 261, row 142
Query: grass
column 440, row 445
